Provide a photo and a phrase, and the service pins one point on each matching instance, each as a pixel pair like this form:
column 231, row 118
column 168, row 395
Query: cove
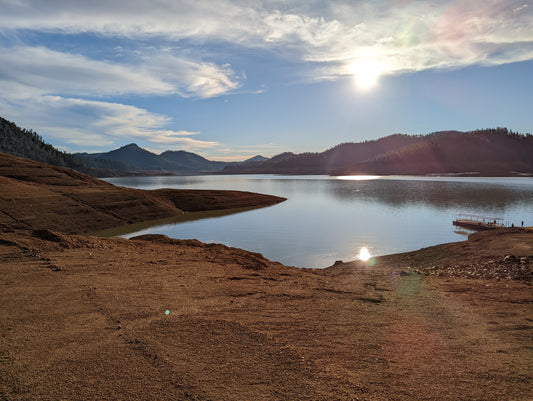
column 331, row 218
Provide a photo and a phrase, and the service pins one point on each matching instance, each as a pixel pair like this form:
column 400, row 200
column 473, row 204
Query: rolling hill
column 171, row 161
column 497, row 152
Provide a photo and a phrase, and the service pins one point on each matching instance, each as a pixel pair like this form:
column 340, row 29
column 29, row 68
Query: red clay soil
column 152, row 318
column 39, row 196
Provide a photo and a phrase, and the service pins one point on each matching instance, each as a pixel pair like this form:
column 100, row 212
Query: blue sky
column 232, row 79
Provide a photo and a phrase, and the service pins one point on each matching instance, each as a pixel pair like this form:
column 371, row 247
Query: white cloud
column 188, row 143
column 78, row 137
column 49, row 71
column 405, row 36
column 45, row 89
column 191, row 78
column 97, row 124
column 45, row 71
column 425, row 35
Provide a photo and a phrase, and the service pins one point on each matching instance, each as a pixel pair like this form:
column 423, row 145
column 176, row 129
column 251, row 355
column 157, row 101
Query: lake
column 331, row 218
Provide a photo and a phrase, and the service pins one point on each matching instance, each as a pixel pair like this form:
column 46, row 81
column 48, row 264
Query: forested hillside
column 27, row 143
column 490, row 152
column 497, row 151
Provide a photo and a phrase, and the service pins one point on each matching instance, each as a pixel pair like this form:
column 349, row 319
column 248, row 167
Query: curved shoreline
column 39, row 196
column 152, row 317
column 185, row 217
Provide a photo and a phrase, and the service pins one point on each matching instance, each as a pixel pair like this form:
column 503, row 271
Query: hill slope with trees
column 27, row 143
column 498, row 152
column 489, row 152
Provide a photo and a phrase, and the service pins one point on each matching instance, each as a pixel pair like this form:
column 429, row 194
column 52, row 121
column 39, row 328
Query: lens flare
column 364, row 254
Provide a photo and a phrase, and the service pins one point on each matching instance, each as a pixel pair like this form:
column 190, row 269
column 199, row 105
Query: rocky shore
column 87, row 318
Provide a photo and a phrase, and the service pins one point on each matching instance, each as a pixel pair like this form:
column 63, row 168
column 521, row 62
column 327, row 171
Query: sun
column 366, row 74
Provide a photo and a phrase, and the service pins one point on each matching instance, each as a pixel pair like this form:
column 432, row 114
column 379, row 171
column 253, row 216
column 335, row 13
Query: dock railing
column 495, row 222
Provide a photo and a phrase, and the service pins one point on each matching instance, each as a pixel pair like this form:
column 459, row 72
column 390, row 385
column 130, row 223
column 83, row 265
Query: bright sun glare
column 364, row 254
column 366, row 74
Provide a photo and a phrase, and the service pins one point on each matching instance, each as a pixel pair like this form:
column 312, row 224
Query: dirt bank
column 152, row 318
column 39, row 196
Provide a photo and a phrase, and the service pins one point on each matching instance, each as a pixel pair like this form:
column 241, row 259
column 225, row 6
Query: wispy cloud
column 97, row 124
column 417, row 36
column 405, row 36
column 49, row 89
column 46, row 71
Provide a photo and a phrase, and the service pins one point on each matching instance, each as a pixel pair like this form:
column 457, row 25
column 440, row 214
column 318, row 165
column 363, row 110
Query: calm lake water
column 327, row 219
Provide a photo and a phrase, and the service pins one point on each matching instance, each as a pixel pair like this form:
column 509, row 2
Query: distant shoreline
column 169, row 173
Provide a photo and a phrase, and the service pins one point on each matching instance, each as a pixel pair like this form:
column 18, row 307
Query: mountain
column 127, row 160
column 134, row 157
column 485, row 152
column 256, row 159
column 495, row 152
column 192, row 161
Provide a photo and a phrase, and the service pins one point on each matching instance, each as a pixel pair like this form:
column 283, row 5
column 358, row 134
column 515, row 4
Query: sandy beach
column 154, row 318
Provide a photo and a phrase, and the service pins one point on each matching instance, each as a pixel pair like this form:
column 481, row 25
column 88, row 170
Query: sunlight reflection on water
column 327, row 219
column 364, row 254
column 358, row 177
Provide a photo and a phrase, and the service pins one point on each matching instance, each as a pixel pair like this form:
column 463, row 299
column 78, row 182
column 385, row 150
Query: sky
column 232, row 79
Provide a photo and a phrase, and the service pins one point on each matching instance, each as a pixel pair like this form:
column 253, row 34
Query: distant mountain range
column 133, row 158
column 489, row 152
column 127, row 160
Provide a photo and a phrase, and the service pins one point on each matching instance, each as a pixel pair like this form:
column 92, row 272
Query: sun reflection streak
column 358, row 177
column 364, row 254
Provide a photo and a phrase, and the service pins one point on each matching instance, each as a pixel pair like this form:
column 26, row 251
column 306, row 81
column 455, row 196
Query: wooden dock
column 478, row 223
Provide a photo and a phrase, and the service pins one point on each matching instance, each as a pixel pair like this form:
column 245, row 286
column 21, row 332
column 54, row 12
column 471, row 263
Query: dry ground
column 86, row 318
column 39, row 196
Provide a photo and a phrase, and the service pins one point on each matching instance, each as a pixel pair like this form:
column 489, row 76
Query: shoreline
column 152, row 317
column 158, row 318
column 39, row 196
